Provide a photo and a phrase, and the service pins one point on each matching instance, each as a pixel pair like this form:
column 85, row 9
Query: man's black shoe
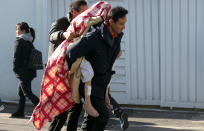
column 17, row 115
column 124, row 121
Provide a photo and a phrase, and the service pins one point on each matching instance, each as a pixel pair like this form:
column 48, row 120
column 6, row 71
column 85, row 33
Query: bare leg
column 87, row 103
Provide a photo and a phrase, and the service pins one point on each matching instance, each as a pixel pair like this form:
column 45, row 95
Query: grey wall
column 12, row 12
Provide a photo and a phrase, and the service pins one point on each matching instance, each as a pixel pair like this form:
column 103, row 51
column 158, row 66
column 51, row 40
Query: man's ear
column 74, row 13
column 110, row 21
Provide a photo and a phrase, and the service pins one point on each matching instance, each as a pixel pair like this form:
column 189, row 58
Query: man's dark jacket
column 101, row 50
column 22, row 49
column 55, row 35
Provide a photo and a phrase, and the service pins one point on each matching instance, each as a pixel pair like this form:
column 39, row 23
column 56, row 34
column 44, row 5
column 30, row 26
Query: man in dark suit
column 100, row 47
column 58, row 34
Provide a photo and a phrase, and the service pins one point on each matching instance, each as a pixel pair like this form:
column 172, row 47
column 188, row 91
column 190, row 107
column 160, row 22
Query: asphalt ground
column 140, row 119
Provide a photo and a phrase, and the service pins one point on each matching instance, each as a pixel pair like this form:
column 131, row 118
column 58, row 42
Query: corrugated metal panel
column 59, row 8
column 200, row 54
column 179, row 26
column 144, row 52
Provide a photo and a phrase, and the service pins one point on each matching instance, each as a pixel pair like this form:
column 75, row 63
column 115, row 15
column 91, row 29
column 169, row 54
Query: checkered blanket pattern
column 56, row 93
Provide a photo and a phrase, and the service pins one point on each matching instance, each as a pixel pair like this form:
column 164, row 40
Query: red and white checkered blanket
column 56, row 95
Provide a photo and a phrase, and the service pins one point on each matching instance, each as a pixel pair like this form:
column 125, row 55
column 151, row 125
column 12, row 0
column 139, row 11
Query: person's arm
column 57, row 29
column 17, row 60
column 81, row 47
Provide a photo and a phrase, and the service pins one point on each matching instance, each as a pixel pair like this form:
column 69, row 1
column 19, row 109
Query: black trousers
column 73, row 117
column 96, row 124
column 24, row 90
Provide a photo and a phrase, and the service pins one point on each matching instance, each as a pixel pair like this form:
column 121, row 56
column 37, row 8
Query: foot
column 17, row 115
column 124, row 121
column 2, row 107
column 90, row 109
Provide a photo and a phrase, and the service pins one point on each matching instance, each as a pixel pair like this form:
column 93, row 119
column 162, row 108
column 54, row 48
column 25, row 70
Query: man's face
column 82, row 9
column 119, row 25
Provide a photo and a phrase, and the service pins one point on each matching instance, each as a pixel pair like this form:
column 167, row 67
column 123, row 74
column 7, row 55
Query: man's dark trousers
column 73, row 118
column 96, row 124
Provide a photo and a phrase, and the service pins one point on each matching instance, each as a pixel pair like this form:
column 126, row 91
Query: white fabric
column 88, row 91
column 86, row 70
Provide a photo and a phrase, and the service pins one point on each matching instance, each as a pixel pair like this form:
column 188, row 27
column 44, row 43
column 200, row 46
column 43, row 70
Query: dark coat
column 22, row 49
column 101, row 50
column 55, row 35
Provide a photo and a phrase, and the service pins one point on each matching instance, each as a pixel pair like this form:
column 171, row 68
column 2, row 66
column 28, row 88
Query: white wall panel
column 179, row 44
column 199, row 54
column 144, row 52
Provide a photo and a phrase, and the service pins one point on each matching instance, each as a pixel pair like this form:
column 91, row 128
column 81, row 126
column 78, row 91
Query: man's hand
column 69, row 35
column 119, row 54
column 107, row 102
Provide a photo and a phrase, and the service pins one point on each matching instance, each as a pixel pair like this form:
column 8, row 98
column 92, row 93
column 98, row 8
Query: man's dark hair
column 76, row 5
column 116, row 13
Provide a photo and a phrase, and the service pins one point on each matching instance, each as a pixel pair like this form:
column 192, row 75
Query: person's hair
column 32, row 32
column 116, row 13
column 76, row 5
column 25, row 26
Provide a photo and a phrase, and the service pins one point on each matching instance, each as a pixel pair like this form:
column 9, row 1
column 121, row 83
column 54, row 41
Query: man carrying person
column 101, row 47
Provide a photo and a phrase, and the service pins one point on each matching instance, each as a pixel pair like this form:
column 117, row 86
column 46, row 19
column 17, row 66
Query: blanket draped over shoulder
column 56, row 92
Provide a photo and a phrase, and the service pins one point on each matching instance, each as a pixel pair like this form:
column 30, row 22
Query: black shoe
column 17, row 115
column 124, row 121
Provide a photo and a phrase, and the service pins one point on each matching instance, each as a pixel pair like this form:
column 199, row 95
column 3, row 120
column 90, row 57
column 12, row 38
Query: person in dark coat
column 58, row 29
column 22, row 48
column 100, row 46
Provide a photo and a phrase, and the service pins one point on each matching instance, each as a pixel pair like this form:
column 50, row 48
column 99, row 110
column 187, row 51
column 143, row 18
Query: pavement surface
column 141, row 119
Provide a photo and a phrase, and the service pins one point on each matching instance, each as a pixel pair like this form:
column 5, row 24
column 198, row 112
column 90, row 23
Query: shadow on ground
column 139, row 126
column 136, row 125
column 182, row 115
